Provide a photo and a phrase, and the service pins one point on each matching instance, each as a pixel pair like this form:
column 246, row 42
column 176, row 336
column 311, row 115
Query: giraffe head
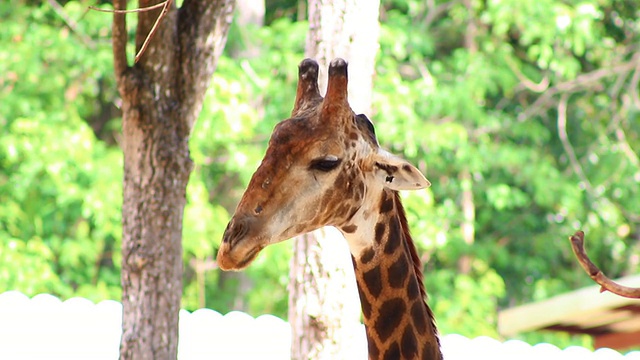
column 318, row 170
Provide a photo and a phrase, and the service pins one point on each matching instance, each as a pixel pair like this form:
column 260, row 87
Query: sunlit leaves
column 33, row 259
column 59, row 187
column 469, row 299
column 461, row 109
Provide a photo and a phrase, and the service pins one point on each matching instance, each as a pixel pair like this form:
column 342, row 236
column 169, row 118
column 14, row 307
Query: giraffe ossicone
column 324, row 167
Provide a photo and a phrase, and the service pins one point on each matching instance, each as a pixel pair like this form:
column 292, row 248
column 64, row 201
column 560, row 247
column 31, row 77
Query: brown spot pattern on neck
column 399, row 323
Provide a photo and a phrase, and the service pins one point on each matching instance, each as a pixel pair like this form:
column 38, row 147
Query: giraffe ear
column 396, row 173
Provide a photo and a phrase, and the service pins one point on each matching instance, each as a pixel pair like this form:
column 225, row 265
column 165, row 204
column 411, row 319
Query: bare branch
column 71, row 24
column 595, row 76
column 614, row 105
column 566, row 144
column 119, row 42
column 633, row 85
column 626, row 147
column 433, row 11
column 525, row 81
column 577, row 244
column 575, row 85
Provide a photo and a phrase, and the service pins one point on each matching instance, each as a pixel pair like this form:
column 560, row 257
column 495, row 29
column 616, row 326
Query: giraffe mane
column 415, row 259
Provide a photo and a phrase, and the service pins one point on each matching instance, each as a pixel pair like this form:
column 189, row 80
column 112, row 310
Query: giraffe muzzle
column 238, row 248
column 235, row 231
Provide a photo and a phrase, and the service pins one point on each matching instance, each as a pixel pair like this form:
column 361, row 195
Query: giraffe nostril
column 236, row 230
column 225, row 235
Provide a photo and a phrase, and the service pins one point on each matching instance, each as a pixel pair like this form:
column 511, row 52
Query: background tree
column 324, row 309
column 162, row 96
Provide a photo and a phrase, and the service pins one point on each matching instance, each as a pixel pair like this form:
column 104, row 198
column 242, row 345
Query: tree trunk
column 324, row 308
column 348, row 29
column 250, row 16
column 162, row 96
column 250, row 12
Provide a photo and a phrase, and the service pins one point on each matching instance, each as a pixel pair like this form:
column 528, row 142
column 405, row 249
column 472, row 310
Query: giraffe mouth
column 248, row 258
column 238, row 257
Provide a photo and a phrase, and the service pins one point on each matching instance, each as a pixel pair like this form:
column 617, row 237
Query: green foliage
column 468, row 299
column 470, row 95
column 59, row 233
column 458, row 105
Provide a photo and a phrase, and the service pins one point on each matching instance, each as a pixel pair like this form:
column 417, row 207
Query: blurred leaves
column 60, row 190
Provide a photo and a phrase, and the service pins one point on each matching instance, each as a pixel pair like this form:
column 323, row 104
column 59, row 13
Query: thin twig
column 525, row 81
column 119, row 29
column 614, row 106
column 626, row 147
column 71, row 24
column 124, row 11
column 145, row 44
column 566, row 144
column 575, row 85
column 595, row 76
column 433, row 12
column 633, row 85
column 606, row 284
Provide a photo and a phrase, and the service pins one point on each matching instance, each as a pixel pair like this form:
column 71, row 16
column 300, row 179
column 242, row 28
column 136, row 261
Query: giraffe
column 324, row 167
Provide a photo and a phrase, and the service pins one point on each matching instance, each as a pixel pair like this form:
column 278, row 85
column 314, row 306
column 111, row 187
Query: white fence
column 44, row 327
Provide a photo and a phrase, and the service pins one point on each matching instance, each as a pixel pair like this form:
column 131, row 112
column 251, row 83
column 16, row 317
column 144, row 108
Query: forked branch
column 606, row 284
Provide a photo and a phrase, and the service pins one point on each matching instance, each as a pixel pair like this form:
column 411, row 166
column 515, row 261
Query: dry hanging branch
column 165, row 8
column 577, row 244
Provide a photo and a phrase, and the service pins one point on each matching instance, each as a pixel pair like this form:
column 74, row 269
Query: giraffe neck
column 398, row 322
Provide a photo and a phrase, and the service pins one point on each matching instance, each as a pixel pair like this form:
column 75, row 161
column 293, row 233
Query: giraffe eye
column 325, row 164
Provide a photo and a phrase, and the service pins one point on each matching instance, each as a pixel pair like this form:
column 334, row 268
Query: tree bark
column 162, row 96
column 324, row 307
column 348, row 29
